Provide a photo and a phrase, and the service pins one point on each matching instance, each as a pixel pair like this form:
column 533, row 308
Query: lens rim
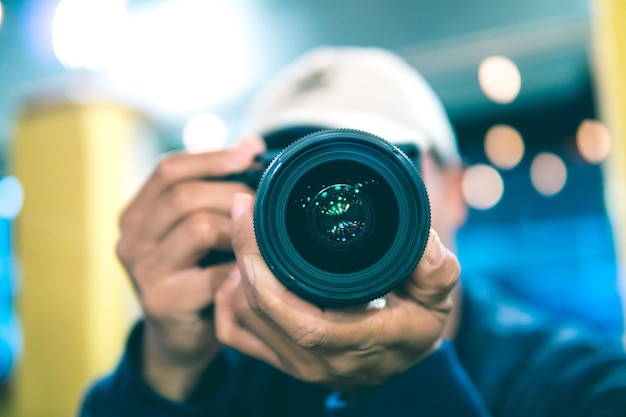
column 327, row 289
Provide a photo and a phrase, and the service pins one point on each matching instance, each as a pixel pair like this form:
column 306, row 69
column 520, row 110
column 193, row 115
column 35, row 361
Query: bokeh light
column 548, row 173
column 173, row 57
column 89, row 33
column 11, row 197
column 1, row 13
column 205, row 132
column 482, row 186
column 500, row 79
column 504, row 146
column 593, row 140
column 184, row 55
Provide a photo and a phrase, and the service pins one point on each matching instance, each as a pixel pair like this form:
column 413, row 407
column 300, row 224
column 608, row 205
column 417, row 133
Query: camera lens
column 344, row 227
column 341, row 217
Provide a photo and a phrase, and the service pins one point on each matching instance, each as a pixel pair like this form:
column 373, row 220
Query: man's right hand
column 174, row 220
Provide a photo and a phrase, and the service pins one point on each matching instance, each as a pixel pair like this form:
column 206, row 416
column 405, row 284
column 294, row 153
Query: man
column 230, row 340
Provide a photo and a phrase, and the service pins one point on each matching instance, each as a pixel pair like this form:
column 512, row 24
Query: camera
column 341, row 216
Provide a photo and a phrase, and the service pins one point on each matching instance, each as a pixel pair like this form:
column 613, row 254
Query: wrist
column 171, row 372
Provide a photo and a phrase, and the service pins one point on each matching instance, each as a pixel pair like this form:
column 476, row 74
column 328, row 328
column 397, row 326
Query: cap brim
column 372, row 123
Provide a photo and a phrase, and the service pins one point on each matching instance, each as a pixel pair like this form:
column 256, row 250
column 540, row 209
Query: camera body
column 341, row 216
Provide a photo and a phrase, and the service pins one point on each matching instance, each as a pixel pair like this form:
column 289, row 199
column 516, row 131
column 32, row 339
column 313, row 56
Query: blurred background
column 93, row 91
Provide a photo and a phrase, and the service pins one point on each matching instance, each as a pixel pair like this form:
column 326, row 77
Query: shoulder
column 524, row 359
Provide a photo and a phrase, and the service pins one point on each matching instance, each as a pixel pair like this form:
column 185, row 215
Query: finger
column 435, row 276
column 188, row 196
column 188, row 291
column 304, row 323
column 298, row 338
column 239, row 327
column 243, row 238
column 181, row 200
column 333, row 329
column 229, row 331
column 190, row 240
column 268, row 296
column 250, row 260
column 252, row 144
column 186, row 166
column 407, row 322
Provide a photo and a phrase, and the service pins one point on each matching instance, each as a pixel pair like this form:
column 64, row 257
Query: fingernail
column 434, row 249
column 249, row 268
column 240, row 205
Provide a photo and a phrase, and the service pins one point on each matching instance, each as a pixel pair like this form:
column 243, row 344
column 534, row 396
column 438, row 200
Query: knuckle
column 155, row 307
column 127, row 220
column 139, row 271
column 167, row 170
column 152, row 304
column 242, row 310
column 222, row 332
column 340, row 368
column 256, row 306
column 261, row 306
column 180, row 197
column 239, row 302
column 224, row 315
column 310, row 374
column 222, row 296
column 452, row 268
column 123, row 220
column 224, row 329
column 310, row 337
column 201, row 229
column 122, row 251
column 443, row 277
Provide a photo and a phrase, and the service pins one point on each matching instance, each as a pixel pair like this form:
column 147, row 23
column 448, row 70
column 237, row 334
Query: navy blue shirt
column 506, row 361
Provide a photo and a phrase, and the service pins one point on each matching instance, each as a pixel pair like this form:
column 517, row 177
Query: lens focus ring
column 341, row 217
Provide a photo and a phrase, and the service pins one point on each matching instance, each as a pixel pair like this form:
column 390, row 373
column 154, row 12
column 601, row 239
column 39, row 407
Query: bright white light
column 593, row 140
column 504, row 146
column 205, row 132
column 548, row 173
column 89, row 33
column 11, row 197
column 499, row 78
column 482, row 186
column 184, row 55
column 1, row 13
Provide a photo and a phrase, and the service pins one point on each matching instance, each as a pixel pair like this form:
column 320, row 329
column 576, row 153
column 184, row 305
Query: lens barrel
column 341, row 217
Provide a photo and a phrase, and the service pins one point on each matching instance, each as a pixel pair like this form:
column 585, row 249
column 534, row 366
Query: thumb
column 242, row 227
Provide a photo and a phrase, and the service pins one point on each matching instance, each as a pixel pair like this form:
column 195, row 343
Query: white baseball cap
column 368, row 89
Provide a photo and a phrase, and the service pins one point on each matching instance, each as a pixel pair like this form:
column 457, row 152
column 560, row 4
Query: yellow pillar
column 74, row 161
column 609, row 54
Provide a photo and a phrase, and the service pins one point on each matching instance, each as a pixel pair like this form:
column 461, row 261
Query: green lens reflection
column 339, row 214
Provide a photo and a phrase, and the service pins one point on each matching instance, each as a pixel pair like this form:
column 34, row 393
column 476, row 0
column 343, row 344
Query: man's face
column 448, row 209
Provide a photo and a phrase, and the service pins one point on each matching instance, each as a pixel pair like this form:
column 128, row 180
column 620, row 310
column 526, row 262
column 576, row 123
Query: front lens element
column 339, row 215
column 342, row 216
